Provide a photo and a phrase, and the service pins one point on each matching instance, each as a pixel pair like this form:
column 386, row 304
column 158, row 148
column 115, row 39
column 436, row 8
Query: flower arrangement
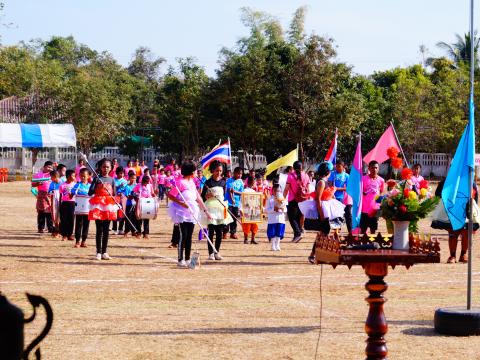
column 402, row 203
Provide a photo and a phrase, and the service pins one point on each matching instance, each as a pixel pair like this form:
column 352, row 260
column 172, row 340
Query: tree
column 459, row 51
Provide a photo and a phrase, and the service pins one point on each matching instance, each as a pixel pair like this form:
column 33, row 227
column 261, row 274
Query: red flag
column 379, row 152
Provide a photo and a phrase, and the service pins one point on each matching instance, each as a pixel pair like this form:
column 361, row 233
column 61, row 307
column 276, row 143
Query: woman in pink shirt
column 144, row 190
column 297, row 191
column 67, row 206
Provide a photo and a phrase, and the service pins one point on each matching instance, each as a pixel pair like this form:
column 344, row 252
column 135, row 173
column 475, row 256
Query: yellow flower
column 423, row 192
column 412, row 195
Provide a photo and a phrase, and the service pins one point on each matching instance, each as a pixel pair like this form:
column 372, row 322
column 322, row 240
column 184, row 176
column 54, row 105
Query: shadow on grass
column 411, row 322
column 421, row 331
column 242, row 330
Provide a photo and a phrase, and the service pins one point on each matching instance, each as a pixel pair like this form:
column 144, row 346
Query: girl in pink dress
column 144, row 190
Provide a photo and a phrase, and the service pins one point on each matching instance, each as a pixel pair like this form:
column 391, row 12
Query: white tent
column 37, row 135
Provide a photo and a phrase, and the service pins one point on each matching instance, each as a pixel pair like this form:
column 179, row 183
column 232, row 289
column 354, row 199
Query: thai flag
column 221, row 152
column 332, row 151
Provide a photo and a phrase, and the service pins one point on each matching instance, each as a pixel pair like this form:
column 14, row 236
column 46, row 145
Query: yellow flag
column 286, row 160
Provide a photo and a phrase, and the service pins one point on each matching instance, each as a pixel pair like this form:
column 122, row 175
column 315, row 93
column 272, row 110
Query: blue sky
column 370, row 35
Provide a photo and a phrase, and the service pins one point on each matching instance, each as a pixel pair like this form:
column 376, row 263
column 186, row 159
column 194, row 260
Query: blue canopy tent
column 37, row 135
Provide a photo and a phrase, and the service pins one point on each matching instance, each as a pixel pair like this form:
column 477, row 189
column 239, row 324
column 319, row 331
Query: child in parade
column 144, row 190
column 54, row 189
column 41, row 181
column 145, row 172
column 161, row 184
column 67, row 206
column 249, row 228
column 213, row 194
column 80, row 166
column 154, row 180
column 234, row 189
column 130, row 204
column 103, row 208
column 115, row 165
column 129, row 167
column 416, row 177
column 184, row 210
column 373, row 185
column 120, row 186
column 339, row 179
column 276, row 209
column 143, row 166
column 168, row 182
column 62, row 170
column 81, row 221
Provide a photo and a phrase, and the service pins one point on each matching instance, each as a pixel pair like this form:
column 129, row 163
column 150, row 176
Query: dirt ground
column 254, row 304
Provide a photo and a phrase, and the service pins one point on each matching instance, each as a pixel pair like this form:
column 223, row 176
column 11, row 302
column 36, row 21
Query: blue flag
column 457, row 188
column 355, row 186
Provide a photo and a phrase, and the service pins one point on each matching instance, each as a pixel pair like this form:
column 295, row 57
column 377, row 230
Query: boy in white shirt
column 276, row 209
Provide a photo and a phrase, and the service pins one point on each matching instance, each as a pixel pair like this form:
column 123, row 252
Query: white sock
column 278, row 244
column 274, row 247
column 275, row 243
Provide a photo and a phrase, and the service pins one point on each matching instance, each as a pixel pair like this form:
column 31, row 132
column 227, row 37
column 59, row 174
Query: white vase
column 400, row 235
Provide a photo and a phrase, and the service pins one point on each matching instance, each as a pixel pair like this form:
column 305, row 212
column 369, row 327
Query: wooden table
column 335, row 251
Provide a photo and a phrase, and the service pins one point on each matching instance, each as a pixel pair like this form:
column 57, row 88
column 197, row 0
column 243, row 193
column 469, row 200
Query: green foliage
column 274, row 89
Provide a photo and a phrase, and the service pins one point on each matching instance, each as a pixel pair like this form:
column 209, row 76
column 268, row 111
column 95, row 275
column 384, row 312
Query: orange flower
column 391, row 183
column 406, row 174
column 397, row 163
column 392, row 152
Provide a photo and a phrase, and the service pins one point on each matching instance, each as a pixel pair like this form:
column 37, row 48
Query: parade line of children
column 67, row 200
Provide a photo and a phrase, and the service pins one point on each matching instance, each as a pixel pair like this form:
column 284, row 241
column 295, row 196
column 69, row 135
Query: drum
column 147, row 208
column 55, row 207
column 82, row 204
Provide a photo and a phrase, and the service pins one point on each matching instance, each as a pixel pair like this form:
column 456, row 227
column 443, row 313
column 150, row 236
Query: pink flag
column 379, row 152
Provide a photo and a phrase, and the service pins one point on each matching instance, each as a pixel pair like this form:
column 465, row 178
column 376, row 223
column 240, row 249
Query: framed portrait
column 252, row 207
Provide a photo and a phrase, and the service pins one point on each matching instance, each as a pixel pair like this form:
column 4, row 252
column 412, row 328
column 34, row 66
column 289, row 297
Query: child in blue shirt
column 120, row 186
column 339, row 179
column 130, row 205
column 81, row 220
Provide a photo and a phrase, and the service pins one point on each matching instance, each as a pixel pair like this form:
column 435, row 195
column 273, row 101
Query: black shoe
column 311, row 259
column 253, row 242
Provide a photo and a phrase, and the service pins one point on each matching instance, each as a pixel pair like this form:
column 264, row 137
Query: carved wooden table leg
column 376, row 325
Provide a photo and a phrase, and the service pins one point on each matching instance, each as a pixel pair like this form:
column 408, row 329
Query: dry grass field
column 254, row 304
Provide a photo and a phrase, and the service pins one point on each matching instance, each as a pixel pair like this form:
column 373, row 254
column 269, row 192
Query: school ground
column 254, row 304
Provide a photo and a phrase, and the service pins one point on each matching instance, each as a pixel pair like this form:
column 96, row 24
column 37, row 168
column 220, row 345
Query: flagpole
column 470, row 203
column 398, row 141
column 230, row 152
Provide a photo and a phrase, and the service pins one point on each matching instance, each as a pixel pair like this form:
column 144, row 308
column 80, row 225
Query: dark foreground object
column 457, row 321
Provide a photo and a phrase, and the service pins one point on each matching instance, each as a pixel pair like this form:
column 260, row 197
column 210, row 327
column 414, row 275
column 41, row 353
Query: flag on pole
column 458, row 184
column 379, row 152
column 286, row 160
column 355, row 185
column 332, row 151
column 221, row 152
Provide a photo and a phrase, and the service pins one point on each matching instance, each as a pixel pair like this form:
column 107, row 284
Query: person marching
column 297, row 191
column 161, row 184
column 213, row 195
column 276, row 209
column 373, row 185
column 184, row 210
column 249, row 227
column 81, row 221
column 103, row 208
column 130, row 205
column 54, row 189
column 41, row 181
column 144, row 190
column 67, row 206
column 234, row 191
column 339, row 179
column 80, row 166
column 120, row 185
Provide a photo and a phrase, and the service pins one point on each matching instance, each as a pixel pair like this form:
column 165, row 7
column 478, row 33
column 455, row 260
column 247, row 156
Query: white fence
column 436, row 164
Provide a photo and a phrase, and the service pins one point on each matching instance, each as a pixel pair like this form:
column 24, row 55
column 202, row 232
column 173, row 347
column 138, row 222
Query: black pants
column 146, row 226
column 368, row 222
column 81, row 227
column 348, row 217
column 185, row 243
column 294, row 214
column 101, row 236
column 216, row 230
column 161, row 191
column 130, row 211
column 232, row 227
column 118, row 224
column 176, row 234
column 45, row 219
column 67, row 218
